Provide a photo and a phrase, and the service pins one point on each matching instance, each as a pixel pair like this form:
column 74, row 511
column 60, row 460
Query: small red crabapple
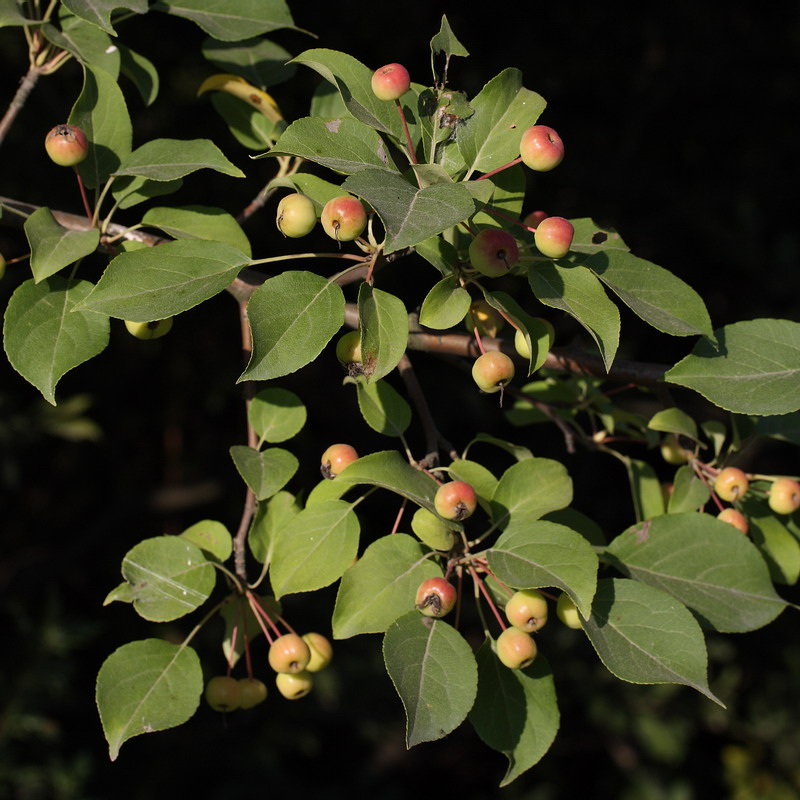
column 493, row 252
column 289, row 653
column 336, row 458
column 66, row 145
column 492, row 371
column 541, row 148
column 436, row 597
column 553, row 237
column 390, row 82
column 516, row 649
column 455, row 500
column 731, row 484
column 784, row 496
column 735, row 518
column 344, row 218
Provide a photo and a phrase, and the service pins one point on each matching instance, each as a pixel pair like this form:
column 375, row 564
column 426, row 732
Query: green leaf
column 381, row 586
column 132, row 191
column 98, row 12
column 250, row 127
column 169, row 577
column 754, row 367
column 519, row 452
column 689, row 493
column 260, row 62
column 277, row 414
column 439, row 253
column 654, row 294
column 410, row 215
column 211, row 536
column 241, row 624
column 44, row 337
column 529, row 489
column 292, row 317
column 90, row 46
column 383, row 321
column 503, row 111
column 198, row 222
column 159, row 282
column 435, row 674
column 101, row 113
column 269, row 524
column 231, row 22
column 478, row 477
column 383, row 409
column 785, row 428
column 644, row 635
column 540, row 554
column 318, row 545
column 54, row 247
column 140, row 71
column 515, row 711
column 648, row 498
column 119, row 594
column 344, row 145
column 779, row 548
column 168, row 159
column 706, row 564
column 446, row 42
column 11, row 14
column 266, row 471
column 673, row 420
column 147, row 686
column 445, row 305
column 577, row 291
column 589, row 237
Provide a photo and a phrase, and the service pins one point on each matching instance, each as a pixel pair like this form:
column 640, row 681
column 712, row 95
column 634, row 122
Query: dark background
column 680, row 128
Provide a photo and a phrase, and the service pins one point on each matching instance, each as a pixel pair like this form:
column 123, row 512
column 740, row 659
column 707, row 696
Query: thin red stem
column 488, row 597
column 399, row 516
column 500, row 169
column 85, row 199
column 411, row 154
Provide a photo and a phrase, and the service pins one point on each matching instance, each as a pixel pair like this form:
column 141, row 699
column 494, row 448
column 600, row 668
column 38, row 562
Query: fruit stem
column 85, row 199
column 399, row 516
column 478, row 340
column 261, row 615
column 500, row 169
column 487, row 596
column 290, row 256
column 411, row 154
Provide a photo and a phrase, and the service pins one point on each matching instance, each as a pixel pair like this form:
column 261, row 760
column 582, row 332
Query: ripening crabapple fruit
column 516, row 649
column 223, row 693
column 673, row 452
column 784, row 496
column 432, row 530
column 344, row 218
column 289, row 653
column 553, row 237
column 252, row 692
column 348, row 348
column 149, row 330
column 294, row 685
column 735, row 518
column 492, row 371
column 533, row 219
column 567, row 611
column 296, row 215
column 547, row 331
column 321, row 651
column 493, row 252
column 66, row 145
column 436, row 597
column 731, row 484
column 527, row 610
column 455, row 500
column 391, row 82
column 336, row 458
column 541, row 148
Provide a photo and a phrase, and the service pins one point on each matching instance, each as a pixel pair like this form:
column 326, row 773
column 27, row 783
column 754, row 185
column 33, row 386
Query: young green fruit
column 486, row 319
column 541, row 148
column 436, row 597
column 567, row 612
column 455, row 500
column 289, row 653
column 672, row 452
column 731, row 484
column 390, row 82
column 527, row 610
column 432, row 530
column 223, row 693
column 544, row 332
column 784, row 496
column 344, row 218
column 66, row 145
column 516, row 649
column 553, row 237
column 2, row 266
column 492, row 371
column 295, row 685
column 493, row 252
column 348, row 348
column 296, row 215
column 252, row 692
column 336, row 458
column 321, row 651
column 735, row 518
column 149, row 330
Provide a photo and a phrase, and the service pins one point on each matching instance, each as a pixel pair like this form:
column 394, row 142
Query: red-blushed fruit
column 541, row 148
column 295, row 685
column 252, row 692
column 149, row 330
column 336, row 458
column 567, row 612
column 493, row 252
column 784, row 496
column 436, row 597
column 492, row 371
column 731, row 484
column 432, row 530
column 673, row 452
column 515, row 648
column 455, row 500
column 527, row 610
column 553, row 237
column 321, row 651
column 344, row 218
column 348, row 348
column 223, row 693
column 296, row 215
column 486, row 319
column 390, row 82
column 735, row 518
column 533, row 219
column 289, row 653
column 66, row 145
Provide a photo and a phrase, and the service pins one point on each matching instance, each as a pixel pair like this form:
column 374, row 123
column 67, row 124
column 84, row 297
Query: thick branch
column 18, row 101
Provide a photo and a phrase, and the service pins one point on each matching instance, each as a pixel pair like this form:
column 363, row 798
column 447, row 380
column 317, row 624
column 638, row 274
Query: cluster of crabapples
column 294, row 658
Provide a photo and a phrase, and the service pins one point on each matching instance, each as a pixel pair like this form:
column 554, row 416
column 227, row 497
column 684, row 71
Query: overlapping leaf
column 231, row 22
column 383, row 320
column 54, row 247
